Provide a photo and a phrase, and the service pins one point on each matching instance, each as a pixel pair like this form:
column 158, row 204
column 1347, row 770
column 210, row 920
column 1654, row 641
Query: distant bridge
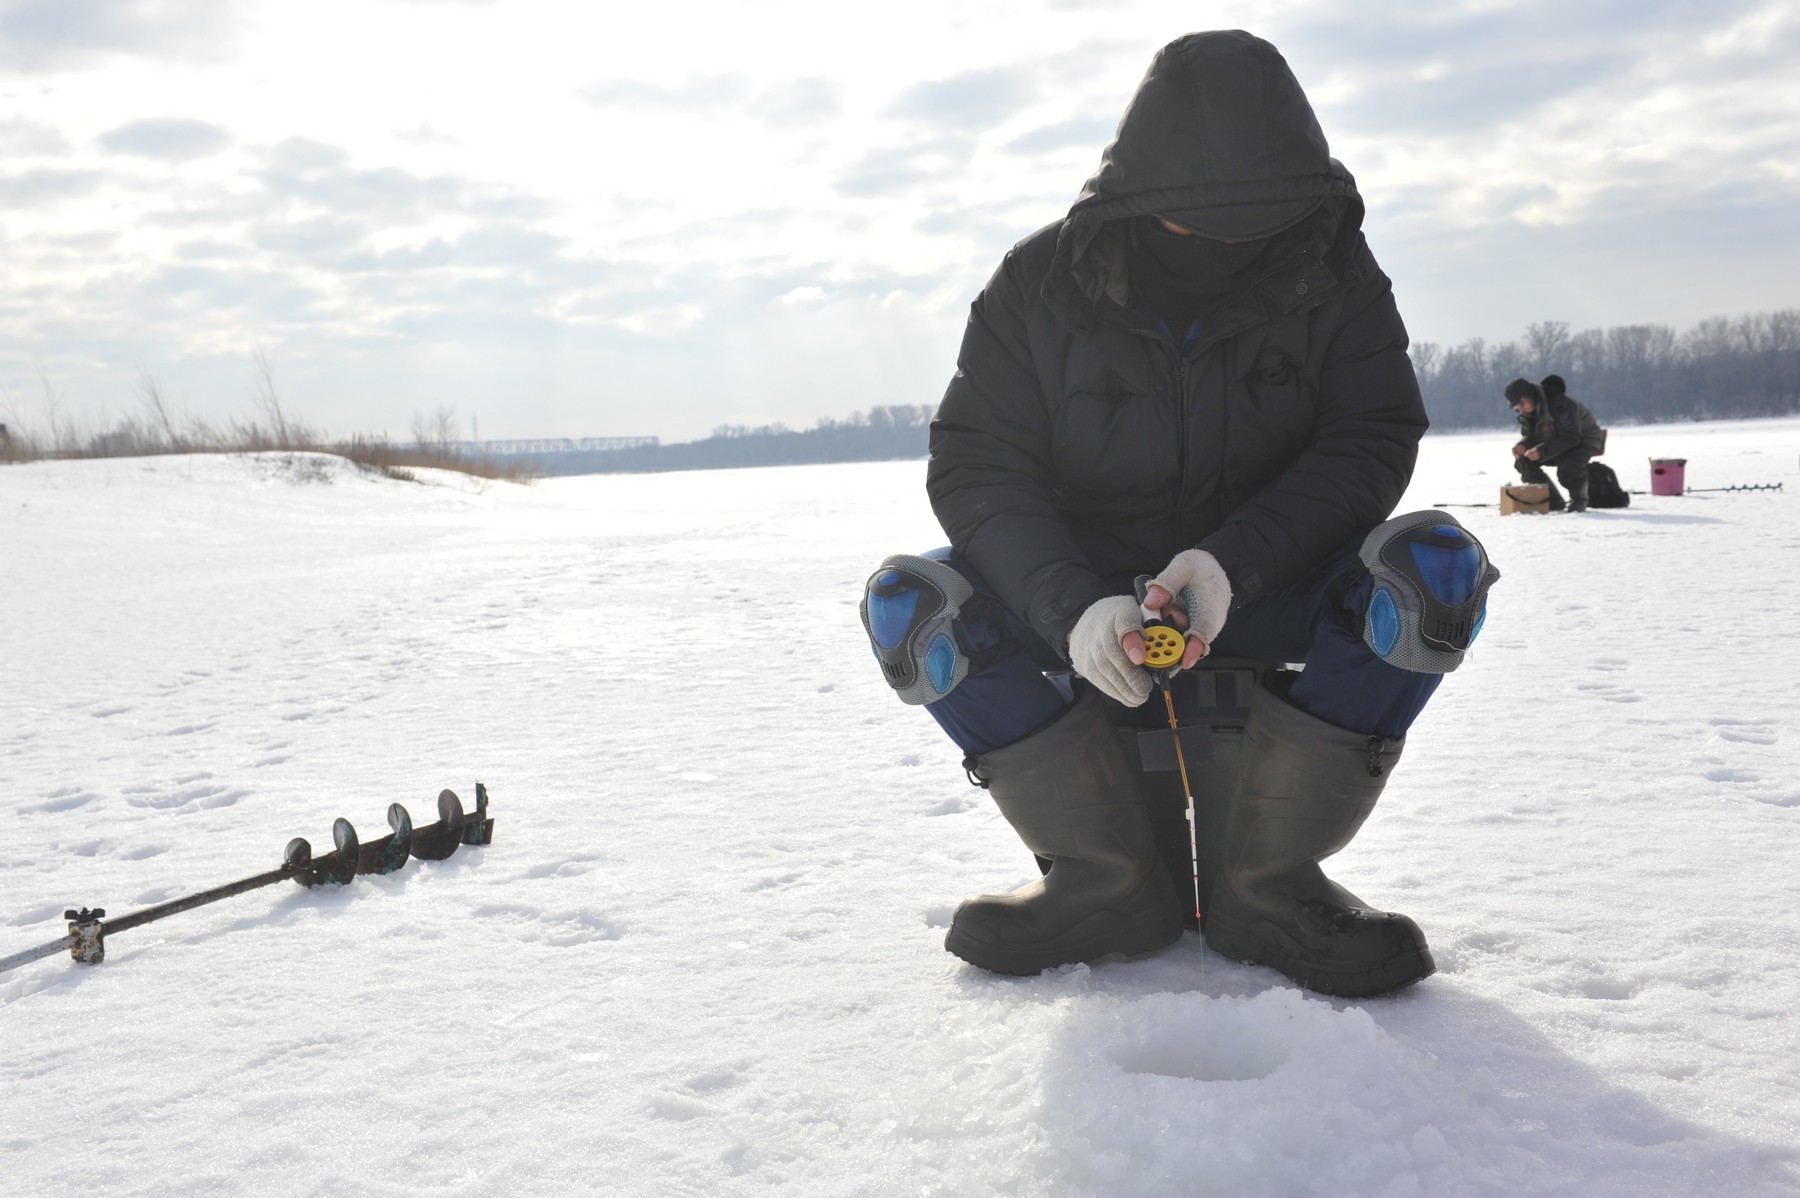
column 543, row 445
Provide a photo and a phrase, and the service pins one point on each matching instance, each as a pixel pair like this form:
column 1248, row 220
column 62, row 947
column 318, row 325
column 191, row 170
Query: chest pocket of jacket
column 1272, row 416
column 1114, row 442
column 1272, row 367
column 1280, row 392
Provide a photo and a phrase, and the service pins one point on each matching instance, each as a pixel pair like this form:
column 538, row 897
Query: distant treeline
column 881, row 433
column 1722, row 368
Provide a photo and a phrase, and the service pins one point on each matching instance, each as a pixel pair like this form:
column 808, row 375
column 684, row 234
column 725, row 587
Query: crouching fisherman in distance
column 1199, row 374
column 1555, row 429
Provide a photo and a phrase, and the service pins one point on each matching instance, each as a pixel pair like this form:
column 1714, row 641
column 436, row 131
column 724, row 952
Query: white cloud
column 1757, row 34
column 41, row 36
column 171, row 139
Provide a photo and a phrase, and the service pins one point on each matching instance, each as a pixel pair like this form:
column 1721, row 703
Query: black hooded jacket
column 1560, row 424
column 1077, row 446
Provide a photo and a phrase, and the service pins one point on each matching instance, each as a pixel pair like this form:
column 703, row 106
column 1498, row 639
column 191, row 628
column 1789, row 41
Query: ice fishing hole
column 1238, row 1054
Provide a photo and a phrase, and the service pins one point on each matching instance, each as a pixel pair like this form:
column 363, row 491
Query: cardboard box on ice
column 1524, row 497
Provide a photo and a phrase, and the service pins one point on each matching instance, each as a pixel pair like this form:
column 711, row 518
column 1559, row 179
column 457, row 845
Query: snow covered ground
column 703, row 954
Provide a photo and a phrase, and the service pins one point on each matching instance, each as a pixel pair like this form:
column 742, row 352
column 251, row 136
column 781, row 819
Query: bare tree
column 1548, row 341
column 438, row 433
column 1426, row 356
column 1587, row 352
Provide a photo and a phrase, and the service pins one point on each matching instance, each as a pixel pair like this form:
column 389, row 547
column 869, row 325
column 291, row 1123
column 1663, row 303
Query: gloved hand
column 1195, row 581
column 1097, row 649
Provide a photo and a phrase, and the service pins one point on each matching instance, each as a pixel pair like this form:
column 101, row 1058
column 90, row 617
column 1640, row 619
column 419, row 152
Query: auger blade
column 336, row 866
column 434, row 842
column 390, row 852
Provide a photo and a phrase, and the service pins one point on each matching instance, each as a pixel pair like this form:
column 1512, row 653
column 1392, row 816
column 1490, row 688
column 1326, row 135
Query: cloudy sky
column 594, row 219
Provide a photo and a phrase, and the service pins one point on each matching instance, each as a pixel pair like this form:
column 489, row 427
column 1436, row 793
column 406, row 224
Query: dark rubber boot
column 1578, row 496
column 1068, row 793
column 1304, row 787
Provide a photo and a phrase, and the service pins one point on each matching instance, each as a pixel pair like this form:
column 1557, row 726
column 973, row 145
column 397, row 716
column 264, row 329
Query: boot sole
column 1088, row 948
column 1369, row 981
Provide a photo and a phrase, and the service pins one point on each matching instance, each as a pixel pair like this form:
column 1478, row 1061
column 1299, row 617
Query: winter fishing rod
column 88, row 929
column 1163, row 650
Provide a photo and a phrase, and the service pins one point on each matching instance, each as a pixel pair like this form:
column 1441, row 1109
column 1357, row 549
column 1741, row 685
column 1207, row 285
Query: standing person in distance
column 1199, row 374
column 1555, row 429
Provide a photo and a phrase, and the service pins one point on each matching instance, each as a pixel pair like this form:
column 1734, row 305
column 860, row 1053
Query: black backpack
column 1603, row 487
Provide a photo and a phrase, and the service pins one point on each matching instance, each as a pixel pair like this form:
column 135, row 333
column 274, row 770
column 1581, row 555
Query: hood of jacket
column 1218, row 138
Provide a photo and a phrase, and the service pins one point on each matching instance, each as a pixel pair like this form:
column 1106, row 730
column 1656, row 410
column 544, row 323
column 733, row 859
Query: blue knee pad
column 1431, row 579
column 907, row 608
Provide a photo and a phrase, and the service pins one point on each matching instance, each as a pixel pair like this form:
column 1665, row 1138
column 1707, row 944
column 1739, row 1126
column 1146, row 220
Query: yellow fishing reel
column 1163, row 646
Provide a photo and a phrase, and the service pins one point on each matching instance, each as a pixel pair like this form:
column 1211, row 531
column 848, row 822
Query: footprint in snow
column 560, row 929
column 193, row 789
column 38, row 914
column 567, row 867
column 1609, row 692
column 143, row 851
column 60, row 800
column 1751, row 732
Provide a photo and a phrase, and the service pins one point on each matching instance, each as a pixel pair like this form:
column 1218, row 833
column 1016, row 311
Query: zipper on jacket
column 1162, row 337
column 1181, row 454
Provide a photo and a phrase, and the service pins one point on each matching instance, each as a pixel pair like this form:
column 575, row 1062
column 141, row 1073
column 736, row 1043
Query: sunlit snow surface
column 703, row 955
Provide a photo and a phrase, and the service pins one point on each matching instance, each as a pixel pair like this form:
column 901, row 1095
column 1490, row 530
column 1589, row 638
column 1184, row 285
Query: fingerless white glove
column 1098, row 656
column 1198, row 582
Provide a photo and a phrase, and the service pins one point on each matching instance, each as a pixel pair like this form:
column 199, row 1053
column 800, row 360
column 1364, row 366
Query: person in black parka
column 1199, row 374
column 1555, row 429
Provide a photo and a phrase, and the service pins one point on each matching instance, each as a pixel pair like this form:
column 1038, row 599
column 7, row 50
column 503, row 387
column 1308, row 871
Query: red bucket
column 1668, row 476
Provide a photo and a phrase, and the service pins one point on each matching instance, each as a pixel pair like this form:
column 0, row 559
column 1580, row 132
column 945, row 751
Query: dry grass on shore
column 436, row 442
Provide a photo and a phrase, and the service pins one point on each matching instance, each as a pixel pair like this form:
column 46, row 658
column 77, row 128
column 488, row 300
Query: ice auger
column 88, row 929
